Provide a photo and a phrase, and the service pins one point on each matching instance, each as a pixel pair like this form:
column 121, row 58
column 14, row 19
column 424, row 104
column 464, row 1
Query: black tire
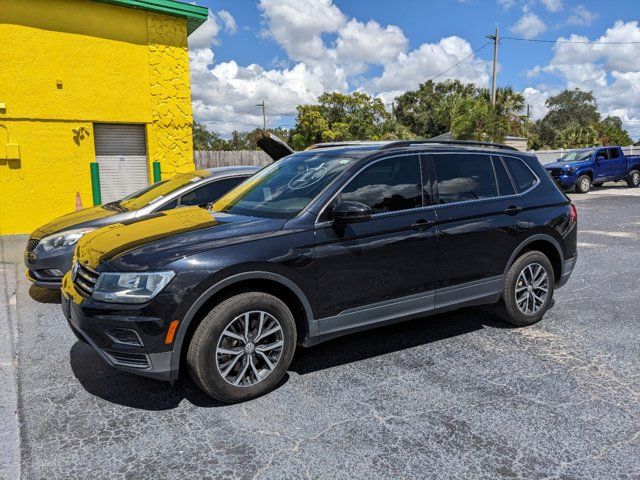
column 599, row 184
column 633, row 179
column 202, row 356
column 583, row 184
column 507, row 308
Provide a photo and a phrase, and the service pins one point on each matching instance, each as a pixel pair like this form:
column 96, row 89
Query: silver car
column 50, row 248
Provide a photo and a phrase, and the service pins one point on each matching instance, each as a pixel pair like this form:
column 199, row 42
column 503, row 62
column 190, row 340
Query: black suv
column 324, row 242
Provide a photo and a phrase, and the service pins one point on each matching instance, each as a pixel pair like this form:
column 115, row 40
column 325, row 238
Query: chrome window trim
column 435, row 206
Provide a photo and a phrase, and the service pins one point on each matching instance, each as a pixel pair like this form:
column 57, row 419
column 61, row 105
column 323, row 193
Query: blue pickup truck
column 581, row 169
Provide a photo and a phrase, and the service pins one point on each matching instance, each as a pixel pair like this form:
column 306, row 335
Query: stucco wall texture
column 67, row 65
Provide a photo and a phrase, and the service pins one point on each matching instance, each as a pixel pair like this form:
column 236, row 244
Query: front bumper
column 567, row 270
column 127, row 337
column 564, row 181
column 39, row 263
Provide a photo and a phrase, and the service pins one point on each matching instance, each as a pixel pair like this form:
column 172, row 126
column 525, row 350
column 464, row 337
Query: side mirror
column 351, row 212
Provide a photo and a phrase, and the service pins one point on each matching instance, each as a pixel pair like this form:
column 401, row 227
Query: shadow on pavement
column 133, row 391
column 44, row 295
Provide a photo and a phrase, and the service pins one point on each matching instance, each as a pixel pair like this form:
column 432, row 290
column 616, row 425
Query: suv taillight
column 573, row 214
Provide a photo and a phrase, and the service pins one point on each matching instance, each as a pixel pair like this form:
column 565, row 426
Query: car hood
column 73, row 219
column 154, row 240
column 558, row 165
column 273, row 146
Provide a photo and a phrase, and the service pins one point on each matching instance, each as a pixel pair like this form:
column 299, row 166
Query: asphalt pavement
column 459, row 395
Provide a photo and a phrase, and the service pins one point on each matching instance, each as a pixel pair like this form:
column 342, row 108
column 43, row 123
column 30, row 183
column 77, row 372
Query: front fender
column 191, row 313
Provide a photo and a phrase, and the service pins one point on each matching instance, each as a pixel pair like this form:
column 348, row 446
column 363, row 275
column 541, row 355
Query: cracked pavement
column 459, row 395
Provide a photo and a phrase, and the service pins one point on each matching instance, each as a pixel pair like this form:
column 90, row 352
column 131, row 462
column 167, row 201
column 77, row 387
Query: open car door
column 273, row 146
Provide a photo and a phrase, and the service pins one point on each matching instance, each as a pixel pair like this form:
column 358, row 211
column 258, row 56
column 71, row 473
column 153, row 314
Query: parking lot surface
column 459, row 395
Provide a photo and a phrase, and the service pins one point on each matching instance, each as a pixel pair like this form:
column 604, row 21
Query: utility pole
column 264, row 115
column 496, row 39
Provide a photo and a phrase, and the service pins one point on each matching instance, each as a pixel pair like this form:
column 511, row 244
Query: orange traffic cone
column 78, row 202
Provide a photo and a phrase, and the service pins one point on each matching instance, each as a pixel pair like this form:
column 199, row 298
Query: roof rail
column 349, row 143
column 409, row 143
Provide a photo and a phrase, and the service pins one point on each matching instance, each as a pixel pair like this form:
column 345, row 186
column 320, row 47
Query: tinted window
column 169, row 206
column 210, row 192
column 505, row 187
column 614, row 153
column 464, row 177
column 522, row 176
column 388, row 185
column 602, row 153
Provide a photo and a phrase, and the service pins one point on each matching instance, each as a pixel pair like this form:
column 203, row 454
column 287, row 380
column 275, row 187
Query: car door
column 384, row 266
column 480, row 224
column 618, row 163
column 602, row 170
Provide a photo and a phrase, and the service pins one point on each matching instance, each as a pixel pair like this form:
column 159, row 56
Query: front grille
column 32, row 243
column 126, row 359
column 556, row 172
column 84, row 278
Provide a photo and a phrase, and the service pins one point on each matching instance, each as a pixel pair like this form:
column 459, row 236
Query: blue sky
column 288, row 51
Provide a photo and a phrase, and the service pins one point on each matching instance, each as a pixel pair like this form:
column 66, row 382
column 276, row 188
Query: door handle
column 512, row 210
column 422, row 224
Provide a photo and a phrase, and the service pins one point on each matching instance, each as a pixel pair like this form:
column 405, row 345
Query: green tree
column 610, row 132
column 570, row 109
column 431, row 109
column 204, row 139
column 481, row 121
column 576, row 136
column 343, row 117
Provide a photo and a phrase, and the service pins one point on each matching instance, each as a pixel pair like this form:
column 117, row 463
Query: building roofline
column 194, row 14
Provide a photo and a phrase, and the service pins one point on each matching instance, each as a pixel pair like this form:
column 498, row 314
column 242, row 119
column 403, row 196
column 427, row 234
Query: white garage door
column 121, row 153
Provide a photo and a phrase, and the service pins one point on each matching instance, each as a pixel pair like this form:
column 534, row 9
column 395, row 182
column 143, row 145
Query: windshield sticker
column 308, row 177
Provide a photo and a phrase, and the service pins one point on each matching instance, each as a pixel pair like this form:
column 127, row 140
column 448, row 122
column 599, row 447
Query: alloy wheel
column 249, row 348
column 532, row 288
column 584, row 184
column 636, row 179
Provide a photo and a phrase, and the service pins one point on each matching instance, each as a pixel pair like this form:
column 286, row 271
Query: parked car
column 580, row 169
column 322, row 243
column 50, row 247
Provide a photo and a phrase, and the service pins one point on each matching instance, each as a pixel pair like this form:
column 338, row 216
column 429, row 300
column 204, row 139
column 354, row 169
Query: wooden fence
column 224, row 158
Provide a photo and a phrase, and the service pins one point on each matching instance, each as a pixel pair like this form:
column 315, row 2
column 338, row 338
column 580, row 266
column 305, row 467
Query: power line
column 464, row 59
column 586, row 42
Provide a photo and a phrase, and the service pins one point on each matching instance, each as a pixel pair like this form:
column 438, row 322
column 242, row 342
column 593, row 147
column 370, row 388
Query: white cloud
column 370, row 42
column 581, row 16
column 529, row 26
column 207, row 34
column 536, row 99
column 229, row 22
column 507, row 4
column 611, row 70
column 552, row 5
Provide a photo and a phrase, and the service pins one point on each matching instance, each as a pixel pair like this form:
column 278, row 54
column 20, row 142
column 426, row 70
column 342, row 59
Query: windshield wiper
column 115, row 207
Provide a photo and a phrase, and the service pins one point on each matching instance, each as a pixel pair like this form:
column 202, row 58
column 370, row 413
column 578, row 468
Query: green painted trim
column 95, row 183
column 157, row 173
column 194, row 14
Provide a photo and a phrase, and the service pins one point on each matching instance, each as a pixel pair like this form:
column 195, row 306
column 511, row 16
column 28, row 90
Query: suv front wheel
column 243, row 347
column 527, row 290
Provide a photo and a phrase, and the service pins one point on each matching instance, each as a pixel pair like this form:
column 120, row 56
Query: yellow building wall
column 67, row 64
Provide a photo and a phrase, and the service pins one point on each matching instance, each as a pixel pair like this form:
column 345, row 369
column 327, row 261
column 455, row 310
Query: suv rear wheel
column 243, row 347
column 583, row 184
column 528, row 290
column 633, row 179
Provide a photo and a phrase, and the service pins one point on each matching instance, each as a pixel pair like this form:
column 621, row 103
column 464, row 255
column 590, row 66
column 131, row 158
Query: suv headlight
column 63, row 239
column 130, row 287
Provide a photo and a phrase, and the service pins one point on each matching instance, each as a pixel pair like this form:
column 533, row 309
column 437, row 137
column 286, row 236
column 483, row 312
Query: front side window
column 209, row 193
column 387, row 186
column 463, row 177
column 157, row 191
column 286, row 187
column 522, row 176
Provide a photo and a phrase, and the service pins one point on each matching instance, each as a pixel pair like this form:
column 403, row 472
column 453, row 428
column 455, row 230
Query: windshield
column 284, row 188
column 154, row 192
column 577, row 155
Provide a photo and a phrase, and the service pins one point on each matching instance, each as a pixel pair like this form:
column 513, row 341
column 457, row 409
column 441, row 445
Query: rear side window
column 464, row 177
column 505, row 187
column 387, row 186
column 614, row 153
column 522, row 176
